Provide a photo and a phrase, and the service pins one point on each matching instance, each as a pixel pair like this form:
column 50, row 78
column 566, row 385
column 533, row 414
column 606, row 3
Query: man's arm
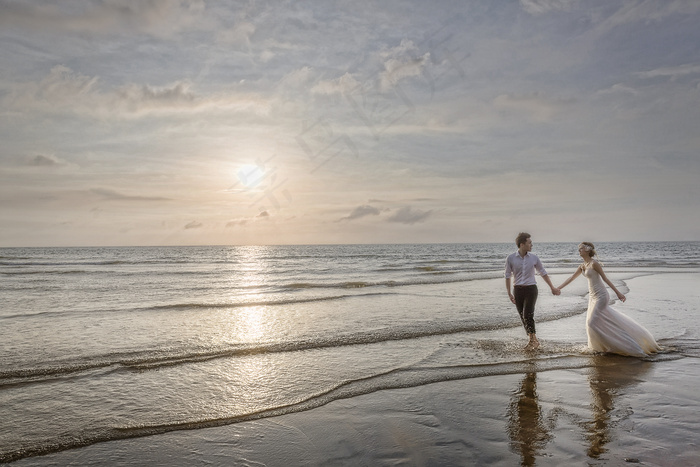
column 545, row 276
column 509, row 273
column 555, row 291
column 510, row 294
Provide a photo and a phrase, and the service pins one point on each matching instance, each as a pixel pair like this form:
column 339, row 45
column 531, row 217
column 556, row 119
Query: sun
column 251, row 175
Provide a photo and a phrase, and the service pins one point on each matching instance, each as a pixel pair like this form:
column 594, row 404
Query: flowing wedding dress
column 609, row 330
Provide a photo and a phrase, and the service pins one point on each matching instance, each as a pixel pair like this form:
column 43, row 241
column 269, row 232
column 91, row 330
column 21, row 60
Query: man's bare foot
column 534, row 344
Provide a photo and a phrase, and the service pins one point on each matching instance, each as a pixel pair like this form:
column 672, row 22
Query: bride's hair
column 590, row 248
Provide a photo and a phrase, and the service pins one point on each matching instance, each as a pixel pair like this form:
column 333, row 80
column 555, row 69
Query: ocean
column 102, row 344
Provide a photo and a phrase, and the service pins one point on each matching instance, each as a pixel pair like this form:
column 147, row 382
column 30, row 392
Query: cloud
column 178, row 94
column 159, row 18
column 672, row 72
column 236, row 222
column 534, row 106
column 618, row 88
column 239, row 35
column 402, row 62
column 61, row 87
column 297, row 78
column 646, row 13
column 241, row 221
column 342, row 85
column 194, row 225
column 406, row 215
column 64, row 90
column 539, row 7
column 361, row 211
column 41, row 160
column 113, row 195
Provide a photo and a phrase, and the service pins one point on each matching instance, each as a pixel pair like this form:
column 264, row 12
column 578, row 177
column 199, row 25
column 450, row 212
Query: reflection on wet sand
column 530, row 429
column 526, row 428
column 609, row 374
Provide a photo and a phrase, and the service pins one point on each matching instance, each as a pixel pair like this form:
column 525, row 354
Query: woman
column 609, row 330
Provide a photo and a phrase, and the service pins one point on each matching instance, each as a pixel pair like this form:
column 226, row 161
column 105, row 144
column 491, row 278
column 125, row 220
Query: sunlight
column 251, row 325
column 250, row 175
column 247, row 284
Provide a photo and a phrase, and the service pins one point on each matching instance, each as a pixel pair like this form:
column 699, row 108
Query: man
column 522, row 264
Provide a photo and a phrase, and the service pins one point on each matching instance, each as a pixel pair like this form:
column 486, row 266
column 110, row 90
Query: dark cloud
column 408, row 215
column 194, row 225
column 41, row 160
column 236, row 222
column 362, row 211
column 109, row 194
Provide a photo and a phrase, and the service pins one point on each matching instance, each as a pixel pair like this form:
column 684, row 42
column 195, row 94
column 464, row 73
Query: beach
column 630, row 419
column 445, row 397
column 259, row 233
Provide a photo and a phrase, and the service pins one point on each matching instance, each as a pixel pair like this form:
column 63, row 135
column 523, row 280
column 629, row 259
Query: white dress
column 609, row 330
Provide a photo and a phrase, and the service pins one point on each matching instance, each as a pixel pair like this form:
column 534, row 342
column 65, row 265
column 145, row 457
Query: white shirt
column 524, row 268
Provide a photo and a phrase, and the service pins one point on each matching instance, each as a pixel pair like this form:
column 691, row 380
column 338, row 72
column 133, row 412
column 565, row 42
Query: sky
column 166, row 122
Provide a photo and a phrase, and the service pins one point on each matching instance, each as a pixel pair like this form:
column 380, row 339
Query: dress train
column 609, row 330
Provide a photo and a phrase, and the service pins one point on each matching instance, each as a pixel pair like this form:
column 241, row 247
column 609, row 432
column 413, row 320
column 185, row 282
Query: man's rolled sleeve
column 540, row 268
column 509, row 270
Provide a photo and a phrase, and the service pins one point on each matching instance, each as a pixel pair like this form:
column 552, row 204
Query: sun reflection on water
column 251, row 326
column 248, row 280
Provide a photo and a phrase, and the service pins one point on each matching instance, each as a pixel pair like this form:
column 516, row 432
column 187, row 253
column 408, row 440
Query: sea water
column 99, row 344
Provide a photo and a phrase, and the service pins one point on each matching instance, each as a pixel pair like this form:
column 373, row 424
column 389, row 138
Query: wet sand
column 611, row 411
column 621, row 411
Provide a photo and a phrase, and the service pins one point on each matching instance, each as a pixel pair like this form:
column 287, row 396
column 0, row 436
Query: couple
column 608, row 330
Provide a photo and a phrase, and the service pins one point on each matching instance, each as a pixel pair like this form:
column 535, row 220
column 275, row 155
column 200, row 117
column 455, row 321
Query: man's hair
column 522, row 238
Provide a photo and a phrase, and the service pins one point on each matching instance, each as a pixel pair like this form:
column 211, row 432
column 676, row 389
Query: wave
column 204, row 305
column 43, row 271
column 71, row 263
column 290, row 301
column 399, row 378
column 338, row 285
column 432, row 280
column 156, row 359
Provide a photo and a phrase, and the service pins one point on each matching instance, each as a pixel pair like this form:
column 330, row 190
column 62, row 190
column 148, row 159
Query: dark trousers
column 525, row 299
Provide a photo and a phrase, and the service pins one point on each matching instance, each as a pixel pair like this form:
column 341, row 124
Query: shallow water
column 113, row 343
